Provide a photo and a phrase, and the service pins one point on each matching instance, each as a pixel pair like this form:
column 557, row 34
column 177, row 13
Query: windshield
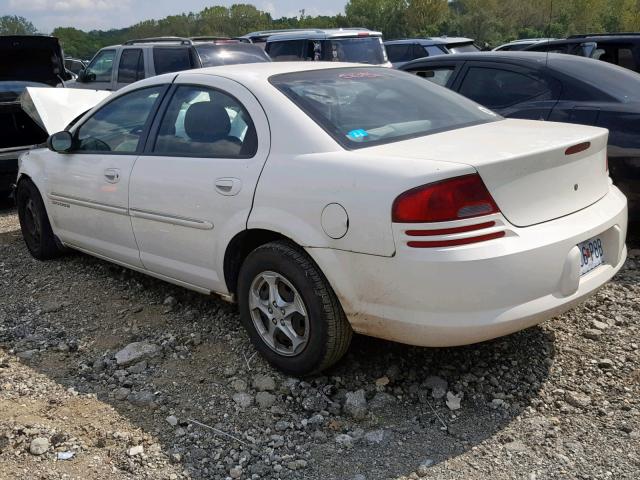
column 463, row 48
column 360, row 107
column 358, row 50
column 231, row 54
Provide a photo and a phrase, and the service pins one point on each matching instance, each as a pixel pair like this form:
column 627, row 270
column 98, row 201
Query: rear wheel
column 290, row 311
column 34, row 223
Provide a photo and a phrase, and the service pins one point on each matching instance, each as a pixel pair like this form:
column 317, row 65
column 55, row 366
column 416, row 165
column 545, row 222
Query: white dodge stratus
column 331, row 198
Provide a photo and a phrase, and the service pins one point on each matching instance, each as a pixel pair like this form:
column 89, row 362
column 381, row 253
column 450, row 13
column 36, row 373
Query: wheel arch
column 240, row 246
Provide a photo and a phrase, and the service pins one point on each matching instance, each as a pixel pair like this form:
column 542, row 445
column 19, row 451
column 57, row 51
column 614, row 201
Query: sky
column 106, row 14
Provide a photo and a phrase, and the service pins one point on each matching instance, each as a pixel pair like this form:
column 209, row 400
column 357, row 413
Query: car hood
column 54, row 108
column 32, row 59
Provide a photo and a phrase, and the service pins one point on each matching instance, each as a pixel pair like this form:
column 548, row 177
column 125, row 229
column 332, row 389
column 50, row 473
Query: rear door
column 192, row 189
column 510, row 90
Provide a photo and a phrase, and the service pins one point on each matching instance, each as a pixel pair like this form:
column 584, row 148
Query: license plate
column 591, row 254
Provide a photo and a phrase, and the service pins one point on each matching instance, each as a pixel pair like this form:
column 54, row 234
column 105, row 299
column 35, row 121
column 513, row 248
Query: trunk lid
column 32, row 59
column 523, row 163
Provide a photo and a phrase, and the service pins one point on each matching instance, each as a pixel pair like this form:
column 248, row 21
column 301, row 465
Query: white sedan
column 332, row 198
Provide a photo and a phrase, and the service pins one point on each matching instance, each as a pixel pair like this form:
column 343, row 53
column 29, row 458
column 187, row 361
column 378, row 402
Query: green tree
column 387, row 16
column 15, row 25
column 424, row 17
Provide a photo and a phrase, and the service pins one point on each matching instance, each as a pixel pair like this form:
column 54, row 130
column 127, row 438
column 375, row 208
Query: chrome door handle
column 228, row 186
column 112, row 175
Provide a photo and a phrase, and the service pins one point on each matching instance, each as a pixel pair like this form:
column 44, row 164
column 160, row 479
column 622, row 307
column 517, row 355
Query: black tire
column 329, row 331
column 34, row 222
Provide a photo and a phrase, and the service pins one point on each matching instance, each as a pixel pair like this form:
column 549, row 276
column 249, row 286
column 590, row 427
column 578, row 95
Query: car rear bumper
column 462, row 295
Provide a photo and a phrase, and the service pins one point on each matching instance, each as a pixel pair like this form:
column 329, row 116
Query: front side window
column 497, row 88
column 172, row 59
column 101, row 67
column 203, row 122
column 131, row 68
column 364, row 106
column 118, row 126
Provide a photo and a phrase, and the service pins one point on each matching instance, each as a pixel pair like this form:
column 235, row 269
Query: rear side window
column 617, row 54
column 401, row 52
column 203, row 122
column 497, row 88
column 131, row 68
column 173, row 59
column 230, row 54
column 287, row 51
column 463, row 48
column 439, row 76
column 360, row 107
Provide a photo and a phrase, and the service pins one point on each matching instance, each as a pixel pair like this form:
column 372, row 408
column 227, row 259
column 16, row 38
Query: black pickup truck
column 27, row 60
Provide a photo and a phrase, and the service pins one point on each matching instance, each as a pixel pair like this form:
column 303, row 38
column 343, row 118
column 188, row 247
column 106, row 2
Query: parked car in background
column 521, row 44
column 403, row 51
column 259, row 38
column 621, row 49
column 328, row 198
column 357, row 45
column 74, row 65
column 24, row 61
column 117, row 66
column 557, row 88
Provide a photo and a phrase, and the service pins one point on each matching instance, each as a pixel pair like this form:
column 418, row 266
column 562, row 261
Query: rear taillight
column 453, row 199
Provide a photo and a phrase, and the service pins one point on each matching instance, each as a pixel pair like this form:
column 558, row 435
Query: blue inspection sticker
column 357, row 134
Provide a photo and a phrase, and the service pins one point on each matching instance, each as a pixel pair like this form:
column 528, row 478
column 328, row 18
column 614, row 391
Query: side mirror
column 81, row 76
column 60, row 142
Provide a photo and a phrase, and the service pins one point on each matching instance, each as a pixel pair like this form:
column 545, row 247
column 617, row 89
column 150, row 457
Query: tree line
column 489, row 22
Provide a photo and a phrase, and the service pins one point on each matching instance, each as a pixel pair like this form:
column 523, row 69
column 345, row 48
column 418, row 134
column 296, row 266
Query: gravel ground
column 110, row 374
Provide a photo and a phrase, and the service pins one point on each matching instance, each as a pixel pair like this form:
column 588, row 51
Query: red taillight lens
column 453, row 199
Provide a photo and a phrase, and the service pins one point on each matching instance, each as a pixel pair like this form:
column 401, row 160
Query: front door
column 89, row 187
column 99, row 73
column 192, row 189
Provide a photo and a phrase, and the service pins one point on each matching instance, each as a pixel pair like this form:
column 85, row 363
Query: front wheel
column 34, row 223
column 290, row 311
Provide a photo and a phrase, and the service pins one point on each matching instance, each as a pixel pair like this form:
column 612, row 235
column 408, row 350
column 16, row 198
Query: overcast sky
column 105, row 14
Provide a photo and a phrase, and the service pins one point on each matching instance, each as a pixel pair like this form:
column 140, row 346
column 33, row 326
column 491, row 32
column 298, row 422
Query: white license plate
column 591, row 254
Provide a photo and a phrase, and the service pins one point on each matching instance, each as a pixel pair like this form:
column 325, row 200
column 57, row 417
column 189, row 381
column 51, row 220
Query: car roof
column 430, row 41
column 520, row 57
column 322, row 34
column 596, row 38
column 528, row 40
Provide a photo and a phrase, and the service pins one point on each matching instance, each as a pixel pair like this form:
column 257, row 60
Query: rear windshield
column 463, row 48
column 230, row 54
column 358, row 50
column 360, row 107
column 172, row 59
column 616, row 82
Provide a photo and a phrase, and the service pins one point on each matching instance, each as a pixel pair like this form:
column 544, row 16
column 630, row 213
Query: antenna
column 549, row 32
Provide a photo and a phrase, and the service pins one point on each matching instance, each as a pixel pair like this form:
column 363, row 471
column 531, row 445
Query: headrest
column 207, row 122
